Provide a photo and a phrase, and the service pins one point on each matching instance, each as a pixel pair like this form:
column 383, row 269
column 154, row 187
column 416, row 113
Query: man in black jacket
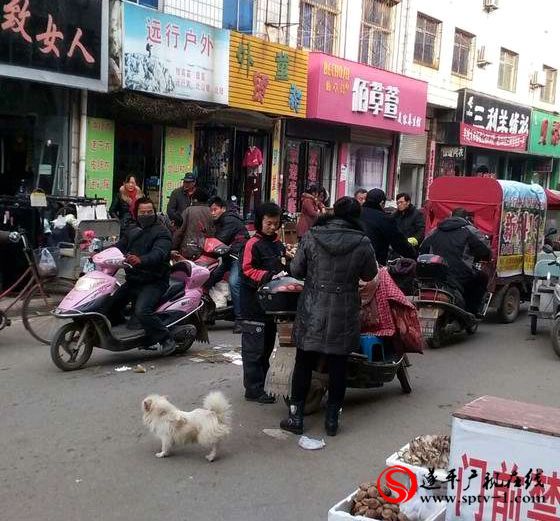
column 180, row 199
column 147, row 248
column 460, row 244
column 230, row 229
column 382, row 229
column 410, row 220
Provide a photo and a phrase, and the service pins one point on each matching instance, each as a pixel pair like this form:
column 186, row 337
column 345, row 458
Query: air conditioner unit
column 481, row 59
column 491, row 5
column 538, row 80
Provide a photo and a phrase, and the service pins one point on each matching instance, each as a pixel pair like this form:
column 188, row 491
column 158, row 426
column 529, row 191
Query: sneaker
column 167, row 347
column 264, row 398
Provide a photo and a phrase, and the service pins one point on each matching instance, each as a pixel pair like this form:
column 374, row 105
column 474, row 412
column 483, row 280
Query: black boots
column 331, row 419
column 294, row 422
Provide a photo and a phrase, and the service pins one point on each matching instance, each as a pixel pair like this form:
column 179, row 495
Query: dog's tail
column 218, row 403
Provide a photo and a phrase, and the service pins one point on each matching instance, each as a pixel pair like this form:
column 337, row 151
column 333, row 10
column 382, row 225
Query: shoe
column 331, row 419
column 263, row 398
column 167, row 347
column 294, row 422
column 237, row 330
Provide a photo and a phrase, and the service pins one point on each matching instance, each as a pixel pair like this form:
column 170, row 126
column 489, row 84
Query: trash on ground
column 237, row 362
column 277, row 434
column 196, row 360
column 311, row 443
column 79, row 480
column 123, row 368
column 139, row 369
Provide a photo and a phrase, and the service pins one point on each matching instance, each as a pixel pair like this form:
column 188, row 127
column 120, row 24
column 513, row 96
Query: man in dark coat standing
column 382, row 228
column 180, row 199
column 332, row 257
column 410, row 220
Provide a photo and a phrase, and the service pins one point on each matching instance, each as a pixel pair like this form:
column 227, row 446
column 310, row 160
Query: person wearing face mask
column 147, row 248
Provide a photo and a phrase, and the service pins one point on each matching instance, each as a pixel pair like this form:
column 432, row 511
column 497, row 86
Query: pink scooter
column 87, row 305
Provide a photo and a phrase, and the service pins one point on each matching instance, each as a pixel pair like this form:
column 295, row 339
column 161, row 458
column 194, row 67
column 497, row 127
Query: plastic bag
column 418, row 510
column 47, row 266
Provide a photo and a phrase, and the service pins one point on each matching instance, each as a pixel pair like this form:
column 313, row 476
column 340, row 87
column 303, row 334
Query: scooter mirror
column 550, row 232
column 547, row 248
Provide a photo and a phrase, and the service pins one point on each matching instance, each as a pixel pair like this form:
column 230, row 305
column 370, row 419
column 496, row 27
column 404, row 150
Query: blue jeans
column 235, row 287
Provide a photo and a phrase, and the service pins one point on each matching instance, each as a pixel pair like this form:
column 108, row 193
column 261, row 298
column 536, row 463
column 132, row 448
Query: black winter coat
column 382, row 230
column 179, row 201
column 460, row 245
column 332, row 257
column 411, row 223
column 153, row 246
column 230, row 229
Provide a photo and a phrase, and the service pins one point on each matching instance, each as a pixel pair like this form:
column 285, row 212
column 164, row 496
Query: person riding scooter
column 147, row 249
column 461, row 245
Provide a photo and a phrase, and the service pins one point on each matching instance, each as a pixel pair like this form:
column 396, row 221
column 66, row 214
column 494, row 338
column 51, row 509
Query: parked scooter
column 181, row 310
column 214, row 254
column 554, row 263
column 441, row 309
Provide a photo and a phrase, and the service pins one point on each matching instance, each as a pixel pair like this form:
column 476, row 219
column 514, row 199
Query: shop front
column 489, row 138
column 167, row 73
column 237, row 150
column 544, row 142
column 46, row 52
column 375, row 107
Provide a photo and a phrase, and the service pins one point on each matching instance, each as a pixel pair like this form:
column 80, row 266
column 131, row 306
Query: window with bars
column 376, row 33
column 208, row 12
column 507, row 76
column 427, row 43
column 548, row 92
column 463, row 52
column 318, row 25
column 145, row 3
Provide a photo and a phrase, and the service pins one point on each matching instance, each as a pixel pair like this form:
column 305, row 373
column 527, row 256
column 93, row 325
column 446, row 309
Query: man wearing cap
column 181, row 199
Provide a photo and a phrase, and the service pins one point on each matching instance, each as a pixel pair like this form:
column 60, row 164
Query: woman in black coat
column 332, row 257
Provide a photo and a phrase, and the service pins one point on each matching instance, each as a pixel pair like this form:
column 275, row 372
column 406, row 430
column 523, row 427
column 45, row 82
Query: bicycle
column 40, row 297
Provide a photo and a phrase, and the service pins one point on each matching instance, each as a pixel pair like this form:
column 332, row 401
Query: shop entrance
column 138, row 153
column 306, row 163
column 411, row 181
column 16, row 139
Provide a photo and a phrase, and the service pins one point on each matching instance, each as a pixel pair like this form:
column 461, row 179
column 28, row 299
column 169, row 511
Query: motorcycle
column 441, row 308
column 214, row 254
column 88, row 304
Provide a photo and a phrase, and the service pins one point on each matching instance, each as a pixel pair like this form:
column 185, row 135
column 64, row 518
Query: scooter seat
column 176, row 288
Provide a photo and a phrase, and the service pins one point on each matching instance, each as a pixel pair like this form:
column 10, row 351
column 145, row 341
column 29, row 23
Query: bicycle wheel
column 38, row 306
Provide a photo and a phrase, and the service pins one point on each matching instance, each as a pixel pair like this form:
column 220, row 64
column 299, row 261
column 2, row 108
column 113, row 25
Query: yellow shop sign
column 267, row 77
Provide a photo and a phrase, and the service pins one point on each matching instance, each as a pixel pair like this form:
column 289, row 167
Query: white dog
column 207, row 426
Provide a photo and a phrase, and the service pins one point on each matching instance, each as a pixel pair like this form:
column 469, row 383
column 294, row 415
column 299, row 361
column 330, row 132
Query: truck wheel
column 534, row 324
column 509, row 310
column 555, row 336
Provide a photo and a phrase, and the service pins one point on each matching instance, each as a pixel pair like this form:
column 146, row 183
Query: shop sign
column 452, row 153
column 491, row 123
column 177, row 160
column 173, row 56
column 347, row 92
column 267, row 77
column 292, row 161
column 544, row 138
column 63, row 42
column 522, row 228
column 100, row 154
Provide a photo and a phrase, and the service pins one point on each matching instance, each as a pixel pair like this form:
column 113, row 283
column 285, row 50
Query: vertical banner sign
column 275, row 170
column 100, row 158
column 178, row 159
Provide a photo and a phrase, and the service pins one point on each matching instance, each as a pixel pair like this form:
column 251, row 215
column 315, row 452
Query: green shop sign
column 544, row 138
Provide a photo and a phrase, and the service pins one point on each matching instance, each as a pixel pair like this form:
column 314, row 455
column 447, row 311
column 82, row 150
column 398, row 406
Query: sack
column 47, row 266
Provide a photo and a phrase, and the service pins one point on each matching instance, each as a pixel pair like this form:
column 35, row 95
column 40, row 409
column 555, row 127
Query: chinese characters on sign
column 100, row 154
column 267, row 77
column 178, row 159
column 58, row 42
column 173, row 56
column 293, row 169
column 353, row 93
column 491, row 123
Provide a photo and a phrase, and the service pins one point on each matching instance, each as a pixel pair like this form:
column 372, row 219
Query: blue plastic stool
column 369, row 344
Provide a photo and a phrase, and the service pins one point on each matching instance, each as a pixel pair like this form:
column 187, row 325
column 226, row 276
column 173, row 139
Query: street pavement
column 72, row 445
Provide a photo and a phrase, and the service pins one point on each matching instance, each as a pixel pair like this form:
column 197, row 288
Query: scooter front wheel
column 71, row 346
